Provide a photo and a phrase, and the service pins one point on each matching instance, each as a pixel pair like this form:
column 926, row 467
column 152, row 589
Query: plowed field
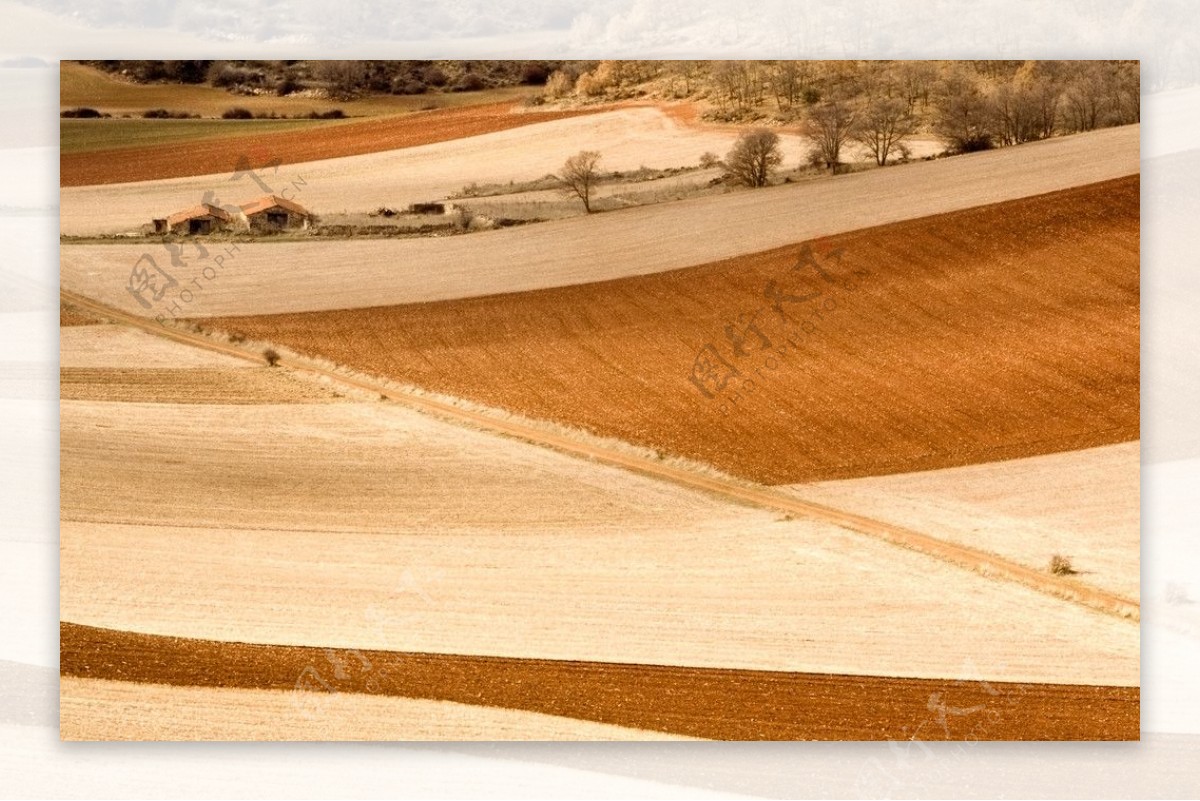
column 991, row 333
column 212, row 156
column 714, row 704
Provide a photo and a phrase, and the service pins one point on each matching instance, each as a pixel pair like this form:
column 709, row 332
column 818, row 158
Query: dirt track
column 206, row 157
column 713, row 704
column 992, row 333
column 955, row 554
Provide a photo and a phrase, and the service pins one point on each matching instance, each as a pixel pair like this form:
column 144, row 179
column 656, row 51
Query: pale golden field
column 1083, row 504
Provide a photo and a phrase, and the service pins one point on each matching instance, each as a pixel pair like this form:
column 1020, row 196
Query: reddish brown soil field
column 992, row 333
column 206, row 157
column 709, row 703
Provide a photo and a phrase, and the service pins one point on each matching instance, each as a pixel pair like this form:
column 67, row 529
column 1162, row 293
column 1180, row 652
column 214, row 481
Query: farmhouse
column 202, row 219
column 274, row 213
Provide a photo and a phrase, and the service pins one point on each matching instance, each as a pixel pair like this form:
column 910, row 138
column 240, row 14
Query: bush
column 534, row 74
column 1061, row 565
column 754, row 157
column 332, row 114
column 709, row 160
column 164, row 114
column 81, row 113
column 287, row 86
column 434, row 76
column 237, row 113
column 272, row 356
column 559, row 85
column 469, row 83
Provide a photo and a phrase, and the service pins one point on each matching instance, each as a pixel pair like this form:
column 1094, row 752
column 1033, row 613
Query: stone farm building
column 274, row 213
column 268, row 213
column 202, row 219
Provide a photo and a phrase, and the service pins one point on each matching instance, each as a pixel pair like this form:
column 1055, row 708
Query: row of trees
column 344, row 78
column 972, row 105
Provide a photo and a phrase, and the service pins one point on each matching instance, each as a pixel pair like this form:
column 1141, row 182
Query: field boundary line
column 980, row 562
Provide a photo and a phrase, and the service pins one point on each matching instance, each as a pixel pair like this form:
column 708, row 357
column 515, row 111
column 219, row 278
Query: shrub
column 1061, row 565
column 710, row 160
column 272, row 356
column 559, row 85
column 469, row 83
column 237, row 113
column 164, row 114
column 434, row 76
column 754, row 157
column 287, row 85
column 534, row 73
column 332, row 114
column 81, row 113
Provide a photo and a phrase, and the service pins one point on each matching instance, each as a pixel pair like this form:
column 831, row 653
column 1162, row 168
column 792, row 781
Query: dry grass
column 998, row 332
column 1061, row 565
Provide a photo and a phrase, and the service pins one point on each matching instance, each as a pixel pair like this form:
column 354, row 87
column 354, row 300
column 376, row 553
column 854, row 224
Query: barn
column 274, row 213
column 203, row 219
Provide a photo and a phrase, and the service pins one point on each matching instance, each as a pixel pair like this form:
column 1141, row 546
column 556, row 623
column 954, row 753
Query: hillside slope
column 996, row 332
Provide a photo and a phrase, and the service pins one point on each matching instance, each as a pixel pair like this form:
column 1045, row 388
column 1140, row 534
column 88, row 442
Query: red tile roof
column 203, row 210
column 271, row 202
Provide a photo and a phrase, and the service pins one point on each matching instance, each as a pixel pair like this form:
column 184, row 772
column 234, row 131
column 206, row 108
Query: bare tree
column 831, row 125
column 788, row 80
column 754, row 157
column 883, row 127
column 343, row 77
column 738, row 85
column 579, row 176
column 1015, row 113
column 963, row 117
column 915, row 79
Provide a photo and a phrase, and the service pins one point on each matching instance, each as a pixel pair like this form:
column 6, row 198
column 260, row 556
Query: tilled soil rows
column 992, row 333
column 225, row 155
column 709, row 703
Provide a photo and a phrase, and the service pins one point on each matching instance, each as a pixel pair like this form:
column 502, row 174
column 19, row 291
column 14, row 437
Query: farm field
column 81, row 136
column 720, row 704
column 195, row 385
column 712, row 462
column 117, row 710
column 83, row 85
column 411, row 169
column 298, row 144
column 1082, row 504
column 88, row 344
column 942, row 341
column 290, row 277
column 365, row 501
